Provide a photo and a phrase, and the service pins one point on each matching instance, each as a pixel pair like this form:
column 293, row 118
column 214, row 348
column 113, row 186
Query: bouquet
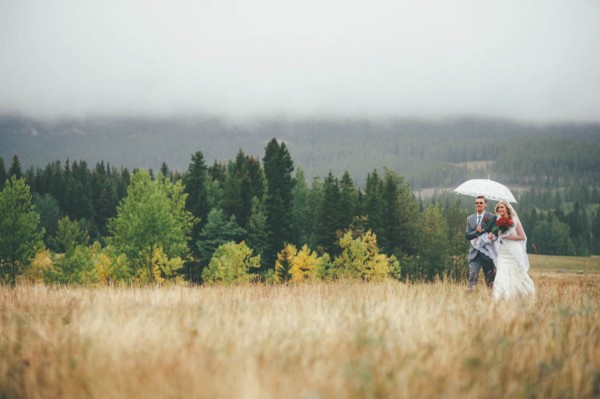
column 502, row 225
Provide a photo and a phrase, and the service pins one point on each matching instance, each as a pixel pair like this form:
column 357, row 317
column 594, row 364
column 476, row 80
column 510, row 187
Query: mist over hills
column 429, row 153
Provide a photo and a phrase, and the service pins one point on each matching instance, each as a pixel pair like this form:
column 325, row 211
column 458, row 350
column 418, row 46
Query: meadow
column 321, row 340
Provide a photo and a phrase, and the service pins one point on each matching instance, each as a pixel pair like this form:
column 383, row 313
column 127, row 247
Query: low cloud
column 533, row 60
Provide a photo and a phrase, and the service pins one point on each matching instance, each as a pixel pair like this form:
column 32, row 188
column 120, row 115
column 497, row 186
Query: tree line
column 427, row 153
column 243, row 220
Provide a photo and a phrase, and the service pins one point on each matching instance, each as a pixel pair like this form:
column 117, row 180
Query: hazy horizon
column 532, row 62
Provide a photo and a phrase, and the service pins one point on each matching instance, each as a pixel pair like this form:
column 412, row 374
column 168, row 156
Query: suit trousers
column 489, row 270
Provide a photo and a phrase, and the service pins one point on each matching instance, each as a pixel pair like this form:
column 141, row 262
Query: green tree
column 218, row 231
column 408, row 220
column 69, row 235
column 76, row 266
column 231, row 203
column 348, row 200
column 278, row 167
column 110, row 267
column 49, row 212
column 15, row 168
column 374, row 204
column 595, row 234
column 257, row 236
column 329, row 216
column 302, row 211
column 164, row 169
column 455, row 217
column 3, row 174
column 553, row 237
column 152, row 215
column 104, row 195
column 360, row 258
column 391, row 234
column 434, row 248
column 231, row 263
column 20, row 237
column 195, row 182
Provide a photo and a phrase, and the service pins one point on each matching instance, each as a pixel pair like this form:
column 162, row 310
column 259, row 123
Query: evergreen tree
column 348, row 200
column 278, row 167
column 104, row 196
column 434, row 247
column 578, row 224
column 315, row 197
column 123, row 183
column 49, row 212
column 69, row 235
column 15, row 168
column 455, row 217
column 164, row 169
column 20, row 238
column 3, row 174
column 196, row 181
column 231, row 203
column 218, row 230
column 29, row 177
column 408, row 222
column 76, row 266
column 553, row 237
column 595, row 234
column 251, row 186
column 374, row 204
column 257, row 236
column 302, row 211
column 329, row 216
column 390, row 237
column 217, row 172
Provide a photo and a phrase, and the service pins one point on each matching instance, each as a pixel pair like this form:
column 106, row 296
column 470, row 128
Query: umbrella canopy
column 488, row 188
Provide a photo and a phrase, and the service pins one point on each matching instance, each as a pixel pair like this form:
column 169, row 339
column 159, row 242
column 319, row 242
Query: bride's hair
column 509, row 209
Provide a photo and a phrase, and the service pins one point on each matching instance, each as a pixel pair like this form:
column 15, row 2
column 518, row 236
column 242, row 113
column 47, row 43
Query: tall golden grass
column 325, row 340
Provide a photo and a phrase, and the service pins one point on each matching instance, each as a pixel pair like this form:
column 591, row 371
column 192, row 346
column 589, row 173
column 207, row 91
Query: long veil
column 519, row 248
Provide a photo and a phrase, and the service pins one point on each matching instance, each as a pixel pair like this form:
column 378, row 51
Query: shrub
column 231, row 263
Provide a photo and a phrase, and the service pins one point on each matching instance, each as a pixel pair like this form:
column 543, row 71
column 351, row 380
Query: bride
column 512, row 262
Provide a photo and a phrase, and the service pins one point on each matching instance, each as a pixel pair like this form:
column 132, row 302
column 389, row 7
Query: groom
column 479, row 223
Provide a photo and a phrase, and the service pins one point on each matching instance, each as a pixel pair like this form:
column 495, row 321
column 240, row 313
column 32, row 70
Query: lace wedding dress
column 512, row 265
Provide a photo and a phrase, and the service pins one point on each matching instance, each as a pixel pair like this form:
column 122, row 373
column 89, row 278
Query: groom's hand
column 479, row 229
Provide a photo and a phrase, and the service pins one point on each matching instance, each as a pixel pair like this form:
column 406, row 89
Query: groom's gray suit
column 476, row 258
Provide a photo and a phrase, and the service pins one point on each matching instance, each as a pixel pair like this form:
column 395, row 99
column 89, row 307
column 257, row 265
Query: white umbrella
column 488, row 188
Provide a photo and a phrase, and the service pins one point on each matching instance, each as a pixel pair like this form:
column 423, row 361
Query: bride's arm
column 520, row 236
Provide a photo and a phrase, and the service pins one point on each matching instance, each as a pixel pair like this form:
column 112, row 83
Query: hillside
column 428, row 153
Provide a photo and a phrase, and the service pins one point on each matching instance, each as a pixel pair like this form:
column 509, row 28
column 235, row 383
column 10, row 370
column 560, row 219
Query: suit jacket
column 487, row 222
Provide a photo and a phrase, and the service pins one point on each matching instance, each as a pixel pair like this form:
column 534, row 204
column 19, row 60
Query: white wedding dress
column 512, row 265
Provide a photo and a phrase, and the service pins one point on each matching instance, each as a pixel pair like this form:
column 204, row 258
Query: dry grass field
column 327, row 340
column 565, row 264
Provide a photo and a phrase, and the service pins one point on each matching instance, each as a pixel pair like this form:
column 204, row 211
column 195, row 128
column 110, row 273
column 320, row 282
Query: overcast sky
column 524, row 59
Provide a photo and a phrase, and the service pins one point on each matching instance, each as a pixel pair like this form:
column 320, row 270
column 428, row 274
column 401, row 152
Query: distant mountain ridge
column 428, row 153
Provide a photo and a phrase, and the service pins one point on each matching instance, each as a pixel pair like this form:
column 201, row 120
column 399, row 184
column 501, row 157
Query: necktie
column 478, row 220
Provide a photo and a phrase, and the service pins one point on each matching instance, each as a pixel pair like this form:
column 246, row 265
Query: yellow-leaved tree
column 283, row 264
column 164, row 269
column 360, row 258
column 231, row 264
column 111, row 268
column 304, row 265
